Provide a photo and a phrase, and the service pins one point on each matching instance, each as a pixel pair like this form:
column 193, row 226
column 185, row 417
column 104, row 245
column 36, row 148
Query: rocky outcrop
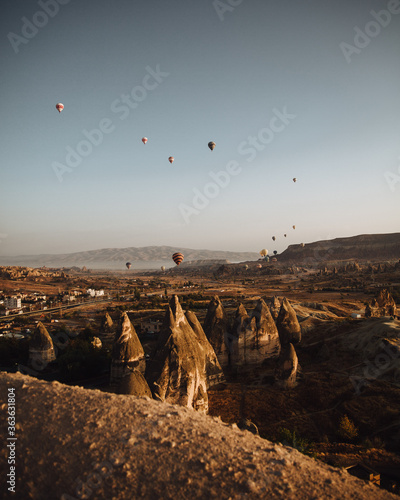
column 216, row 328
column 178, row 371
column 286, row 373
column 383, row 305
column 41, row 348
column 80, row 443
column 287, row 324
column 127, row 353
column 213, row 370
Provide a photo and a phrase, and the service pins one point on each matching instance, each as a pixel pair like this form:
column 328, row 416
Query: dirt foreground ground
column 76, row 443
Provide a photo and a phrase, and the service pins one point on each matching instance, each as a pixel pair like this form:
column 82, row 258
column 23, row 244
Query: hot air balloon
column 246, row 266
column 259, row 266
column 177, row 258
column 211, row 145
column 171, row 159
column 59, row 107
column 144, row 140
column 273, row 238
column 294, row 179
column 162, row 268
column 266, row 258
column 264, row 252
column 275, row 252
column 285, row 235
column 294, row 227
column 302, row 245
column 128, row 265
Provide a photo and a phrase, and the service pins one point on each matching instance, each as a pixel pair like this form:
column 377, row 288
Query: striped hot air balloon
column 59, row 107
column 177, row 257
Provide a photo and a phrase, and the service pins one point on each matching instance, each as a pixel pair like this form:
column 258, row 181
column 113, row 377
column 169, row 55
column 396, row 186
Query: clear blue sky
column 269, row 81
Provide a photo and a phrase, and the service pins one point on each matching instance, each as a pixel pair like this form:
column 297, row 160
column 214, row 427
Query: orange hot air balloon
column 259, row 266
column 171, row 159
column 294, row 227
column 59, row 107
column 144, row 140
column 177, row 257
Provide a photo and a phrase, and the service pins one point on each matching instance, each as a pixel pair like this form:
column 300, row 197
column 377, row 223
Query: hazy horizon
column 306, row 91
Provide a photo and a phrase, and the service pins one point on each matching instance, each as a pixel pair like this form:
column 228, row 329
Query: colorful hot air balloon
column 294, row 227
column 59, row 107
column 273, row 238
column 128, row 265
column 177, row 258
column 162, row 268
column 171, row 159
column 264, row 252
column 294, row 179
column 144, row 140
column 211, row 145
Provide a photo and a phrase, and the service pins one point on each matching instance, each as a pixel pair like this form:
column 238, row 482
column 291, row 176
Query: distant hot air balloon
column 294, row 227
column 246, row 266
column 171, row 159
column 264, row 252
column 285, row 235
column 128, row 265
column 294, row 179
column 211, row 145
column 259, row 266
column 59, row 107
column 275, row 252
column 177, row 258
column 302, row 245
column 273, row 238
column 162, row 268
column 144, row 140
column 266, row 258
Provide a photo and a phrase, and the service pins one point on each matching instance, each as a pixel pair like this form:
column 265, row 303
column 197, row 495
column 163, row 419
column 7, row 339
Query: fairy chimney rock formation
column 216, row 328
column 214, row 373
column 107, row 330
column 267, row 341
column 178, row 371
column 288, row 324
column 286, row 373
column 127, row 353
column 274, row 307
column 134, row 384
column 41, row 348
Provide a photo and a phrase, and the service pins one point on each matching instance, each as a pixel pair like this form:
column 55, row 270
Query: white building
column 12, row 302
column 94, row 293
